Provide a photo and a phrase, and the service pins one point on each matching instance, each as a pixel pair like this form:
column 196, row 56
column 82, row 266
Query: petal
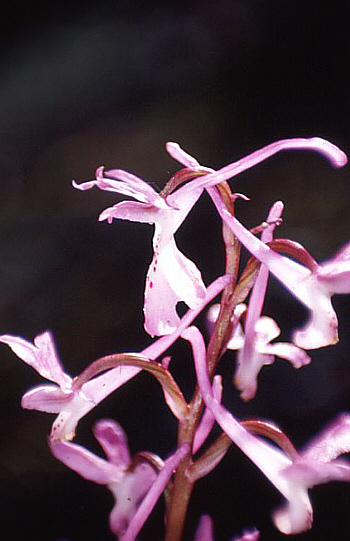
column 86, row 464
column 297, row 356
column 333, row 441
column 41, row 355
column 246, row 375
column 130, row 210
column 128, row 496
column 330, row 151
column 204, row 530
column 125, row 183
column 48, row 398
column 171, row 278
column 154, row 493
column 321, row 329
column 258, row 330
column 296, row 516
column 266, row 329
column 113, row 441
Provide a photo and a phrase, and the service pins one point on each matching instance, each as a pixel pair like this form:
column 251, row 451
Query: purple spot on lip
column 151, row 284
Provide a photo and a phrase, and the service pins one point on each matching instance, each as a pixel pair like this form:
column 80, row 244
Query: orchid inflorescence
column 234, row 323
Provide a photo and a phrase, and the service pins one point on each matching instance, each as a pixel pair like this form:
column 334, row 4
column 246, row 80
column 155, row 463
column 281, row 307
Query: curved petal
column 113, row 441
column 336, row 157
column 297, row 356
column 130, row 210
column 41, row 355
column 48, row 398
column 88, row 465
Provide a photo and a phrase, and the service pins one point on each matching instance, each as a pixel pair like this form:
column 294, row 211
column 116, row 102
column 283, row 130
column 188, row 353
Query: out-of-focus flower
column 128, row 484
column 71, row 402
column 205, row 532
column 318, row 463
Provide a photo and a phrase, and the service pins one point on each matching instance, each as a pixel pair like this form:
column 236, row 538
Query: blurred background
column 108, row 83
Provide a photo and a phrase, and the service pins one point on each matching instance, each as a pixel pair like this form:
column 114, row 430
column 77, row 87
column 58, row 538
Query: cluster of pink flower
column 137, row 482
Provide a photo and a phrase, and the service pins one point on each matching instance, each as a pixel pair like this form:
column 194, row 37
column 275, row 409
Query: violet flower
column 62, row 397
column 128, row 484
column 205, row 532
column 318, row 463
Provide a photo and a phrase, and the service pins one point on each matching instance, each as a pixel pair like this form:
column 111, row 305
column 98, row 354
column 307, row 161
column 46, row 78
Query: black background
column 109, row 83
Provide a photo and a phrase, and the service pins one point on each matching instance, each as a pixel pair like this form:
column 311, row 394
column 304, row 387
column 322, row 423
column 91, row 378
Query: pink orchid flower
column 312, row 288
column 136, row 488
column 171, row 276
column 261, row 350
column 128, row 485
column 62, row 397
column 254, row 345
column 318, row 463
column 205, row 532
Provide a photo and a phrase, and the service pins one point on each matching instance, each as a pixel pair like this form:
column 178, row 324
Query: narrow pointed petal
column 87, row 464
column 41, row 355
column 113, row 441
column 250, row 358
column 47, row 398
column 130, row 210
column 336, row 157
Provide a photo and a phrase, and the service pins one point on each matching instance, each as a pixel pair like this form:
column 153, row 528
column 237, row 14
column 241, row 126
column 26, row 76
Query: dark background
column 109, row 83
